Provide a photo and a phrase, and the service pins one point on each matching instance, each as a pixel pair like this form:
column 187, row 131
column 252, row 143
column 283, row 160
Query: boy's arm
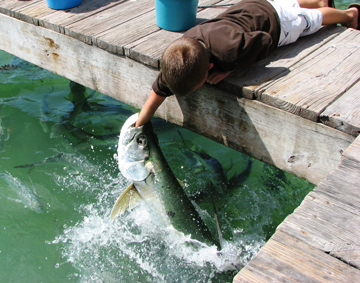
column 150, row 107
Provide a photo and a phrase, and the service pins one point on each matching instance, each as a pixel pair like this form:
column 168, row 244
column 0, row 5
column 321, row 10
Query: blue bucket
column 176, row 15
column 62, row 4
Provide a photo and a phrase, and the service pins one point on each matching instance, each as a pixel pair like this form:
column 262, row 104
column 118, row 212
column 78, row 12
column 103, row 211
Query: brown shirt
column 242, row 35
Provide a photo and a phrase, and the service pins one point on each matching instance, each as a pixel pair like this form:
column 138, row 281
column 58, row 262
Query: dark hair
column 184, row 65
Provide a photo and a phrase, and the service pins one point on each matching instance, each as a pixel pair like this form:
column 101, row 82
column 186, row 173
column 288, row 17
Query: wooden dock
column 298, row 110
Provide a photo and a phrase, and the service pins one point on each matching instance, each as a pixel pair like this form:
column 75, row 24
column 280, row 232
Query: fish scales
column 142, row 161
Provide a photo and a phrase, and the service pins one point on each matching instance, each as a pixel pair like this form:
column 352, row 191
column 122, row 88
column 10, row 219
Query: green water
column 341, row 4
column 73, row 240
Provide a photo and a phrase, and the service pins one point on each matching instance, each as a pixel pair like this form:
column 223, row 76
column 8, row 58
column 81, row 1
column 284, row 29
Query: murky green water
column 44, row 117
column 343, row 4
column 73, row 238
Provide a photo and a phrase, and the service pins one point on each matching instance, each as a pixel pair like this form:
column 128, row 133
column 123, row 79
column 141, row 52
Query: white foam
column 100, row 249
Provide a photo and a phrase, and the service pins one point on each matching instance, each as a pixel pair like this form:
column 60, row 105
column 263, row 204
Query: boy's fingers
column 213, row 78
column 216, row 77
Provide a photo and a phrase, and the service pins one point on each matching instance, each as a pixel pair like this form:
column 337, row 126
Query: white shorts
column 295, row 21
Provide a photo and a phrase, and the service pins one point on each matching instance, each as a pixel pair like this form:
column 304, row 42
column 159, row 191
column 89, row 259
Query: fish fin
column 134, row 198
column 127, row 199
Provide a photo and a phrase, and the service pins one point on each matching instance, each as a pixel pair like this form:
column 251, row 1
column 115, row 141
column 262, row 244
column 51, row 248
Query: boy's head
column 185, row 65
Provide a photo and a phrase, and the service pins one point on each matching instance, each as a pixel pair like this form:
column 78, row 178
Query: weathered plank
column 342, row 185
column 285, row 259
column 353, row 151
column 319, row 79
column 32, row 13
column 276, row 137
column 329, row 217
column 344, row 113
column 245, row 81
column 86, row 28
column 148, row 50
column 7, row 7
column 115, row 38
column 60, row 19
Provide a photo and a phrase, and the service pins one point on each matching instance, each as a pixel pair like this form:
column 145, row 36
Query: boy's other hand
column 214, row 76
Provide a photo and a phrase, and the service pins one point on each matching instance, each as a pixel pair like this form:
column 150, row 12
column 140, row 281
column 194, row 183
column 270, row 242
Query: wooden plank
column 245, row 81
column 115, row 38
column 341, row 245
column 344, row 113
column 318, row 80
column 353, row 151
column 329, row 217
column 293, row 144
column 285, row 259
column 7, row 7
column 86, row 28
column 148, row 50
column 32, row 13
column 59, row 20
column 343, row 184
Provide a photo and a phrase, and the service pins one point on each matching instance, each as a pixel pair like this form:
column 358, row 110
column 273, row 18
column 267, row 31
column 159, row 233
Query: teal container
column 176, row 15
column 62, row 4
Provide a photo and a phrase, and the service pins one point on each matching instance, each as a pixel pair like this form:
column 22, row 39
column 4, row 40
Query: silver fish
column 26, row 195
column 142, row 161
column 4, row 135
column 76, row 161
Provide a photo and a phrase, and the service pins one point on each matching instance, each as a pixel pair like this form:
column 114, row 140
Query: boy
column 242, row 35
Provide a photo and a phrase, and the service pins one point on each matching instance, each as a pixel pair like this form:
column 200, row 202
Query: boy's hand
column 214, row 76
column 149, row 109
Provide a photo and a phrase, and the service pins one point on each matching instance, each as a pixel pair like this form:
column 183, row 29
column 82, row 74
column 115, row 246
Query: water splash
column 132, row 248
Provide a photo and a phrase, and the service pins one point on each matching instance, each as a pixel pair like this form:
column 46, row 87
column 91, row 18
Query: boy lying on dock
column 242, row 35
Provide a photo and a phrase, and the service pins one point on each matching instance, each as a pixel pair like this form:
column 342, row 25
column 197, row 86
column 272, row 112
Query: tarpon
column 26, row 195
column 76, row 161
column 142, row 161
column 4, row 135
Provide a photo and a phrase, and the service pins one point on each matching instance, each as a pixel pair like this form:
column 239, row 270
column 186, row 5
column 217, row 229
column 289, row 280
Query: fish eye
column 141, row 140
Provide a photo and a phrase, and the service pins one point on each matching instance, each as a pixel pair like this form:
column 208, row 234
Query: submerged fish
column 76, row 161
column 4, row 135
column 142, row 161
column 26, row 195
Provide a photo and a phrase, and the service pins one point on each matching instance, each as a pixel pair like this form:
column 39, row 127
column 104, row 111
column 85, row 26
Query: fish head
column 133, row 150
